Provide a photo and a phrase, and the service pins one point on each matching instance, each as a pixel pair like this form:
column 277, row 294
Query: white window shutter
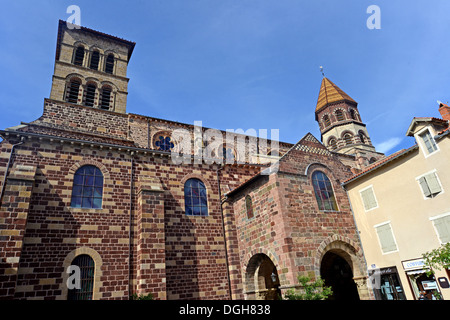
column 424, row 186
column 386, row 238
column 433, row 183
column 443, row 228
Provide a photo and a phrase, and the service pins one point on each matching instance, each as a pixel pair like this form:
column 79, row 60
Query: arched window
column 73, row 90
column 90, row 95
column 353, row 114
column 105, row 101
column 348, row 138
column 333, row 144
column 362, row 137
column 323, row 191
column 339, row 115
column 109, row 63
column 249, row 207
column 227, row 154
column 195, row 198
column 372, row 160
column 326, row 120
column 86, row 267
column 78, row 56
column 95, row 58
column 87, row 191
column 164, row 143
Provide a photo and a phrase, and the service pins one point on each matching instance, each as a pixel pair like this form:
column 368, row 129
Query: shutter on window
column 368, row 199
column 386, row 238
column 424, row 186
column 433, row 183
column 443, row 228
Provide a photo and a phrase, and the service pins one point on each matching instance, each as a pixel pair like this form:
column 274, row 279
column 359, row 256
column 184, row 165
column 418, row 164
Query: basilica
column 92, row 185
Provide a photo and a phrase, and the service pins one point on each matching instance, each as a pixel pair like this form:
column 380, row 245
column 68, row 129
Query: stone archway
column 341, row 260
column 261, row 279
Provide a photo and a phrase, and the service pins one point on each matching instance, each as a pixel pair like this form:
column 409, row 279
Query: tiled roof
column 381, row 162
column 329, row 93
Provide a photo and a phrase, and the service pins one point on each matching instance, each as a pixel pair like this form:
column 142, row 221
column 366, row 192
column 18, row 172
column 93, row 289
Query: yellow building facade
column 402, row 210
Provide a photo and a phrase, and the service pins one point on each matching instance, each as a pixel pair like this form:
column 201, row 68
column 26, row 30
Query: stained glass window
column 164, row 143
column 195, row 198
column 323, row 191
column 87, row 269
column 87, row 191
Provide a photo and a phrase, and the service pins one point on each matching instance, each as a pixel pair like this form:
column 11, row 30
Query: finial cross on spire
column 321, row 70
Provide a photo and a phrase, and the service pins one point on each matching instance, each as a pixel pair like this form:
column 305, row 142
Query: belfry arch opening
column 336, row 270
column 262, row 282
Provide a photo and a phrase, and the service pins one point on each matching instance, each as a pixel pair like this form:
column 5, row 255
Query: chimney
column 444, row 110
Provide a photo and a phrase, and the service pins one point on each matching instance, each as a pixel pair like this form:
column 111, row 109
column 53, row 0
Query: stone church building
column 91, row 185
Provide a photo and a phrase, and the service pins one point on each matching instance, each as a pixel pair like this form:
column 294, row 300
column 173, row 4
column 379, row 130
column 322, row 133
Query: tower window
column 79, row 56
column 333, row 144
column 195, row 198
column 109, row 64
column 95, row 58
column 348, row 138
column 90, row 95
column 87, row 191
column 326, row 120
column 323, row 191
column 339, row 115
column 106, row 98
column 87, row 270
column 362, row 137
column 72, row 91
column 227, row 155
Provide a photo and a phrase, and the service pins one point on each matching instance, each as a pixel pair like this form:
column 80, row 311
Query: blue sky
column 246, row 63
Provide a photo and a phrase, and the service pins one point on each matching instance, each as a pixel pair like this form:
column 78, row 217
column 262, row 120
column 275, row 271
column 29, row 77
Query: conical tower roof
column 329, row 93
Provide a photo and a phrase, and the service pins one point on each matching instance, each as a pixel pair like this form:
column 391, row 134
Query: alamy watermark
column 374, row 20
column 74, row 21
column 238, row 147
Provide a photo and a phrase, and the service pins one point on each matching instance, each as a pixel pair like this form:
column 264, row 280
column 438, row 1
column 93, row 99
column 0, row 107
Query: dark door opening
column 337, row 273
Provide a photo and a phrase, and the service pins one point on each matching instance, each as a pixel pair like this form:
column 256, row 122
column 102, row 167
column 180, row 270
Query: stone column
column 13, row 219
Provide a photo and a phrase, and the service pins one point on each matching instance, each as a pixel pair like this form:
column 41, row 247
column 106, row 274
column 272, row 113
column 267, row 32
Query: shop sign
column 428, row 285
column 413, row 264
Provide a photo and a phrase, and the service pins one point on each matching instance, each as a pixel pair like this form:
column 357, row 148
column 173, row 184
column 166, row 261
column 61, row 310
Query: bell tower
column 91, row 68
column 341, row 126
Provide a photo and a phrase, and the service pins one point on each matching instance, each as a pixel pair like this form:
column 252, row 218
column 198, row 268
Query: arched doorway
column 337, row 273
column 262, row 282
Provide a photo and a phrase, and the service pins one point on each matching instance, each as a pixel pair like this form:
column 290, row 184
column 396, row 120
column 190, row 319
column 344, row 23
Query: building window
column 105, row 101
column 386, row 237
column 95, row 58
column 195, row 198
column 78, row 56
column 109, row 63
column 362, row 137
column 430, row 185
column 164, row 143
column 324, row 192
column 87, row 191
column 353, row 114
column 428, row 141
column 90, row 95
column 368, row 198
column 333, row 144
column 326, row 120
column 249, row 207
column 73, row 90
column 442, row 226
column 372, row 160
column 86, row 266
column 339, row 115
column 348, row 138
column 227, row 155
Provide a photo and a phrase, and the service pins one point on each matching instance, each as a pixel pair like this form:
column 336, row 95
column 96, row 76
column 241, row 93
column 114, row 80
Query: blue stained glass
column 84, row 194
column 195, row 198
column 164, row 143
column 323, row 191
